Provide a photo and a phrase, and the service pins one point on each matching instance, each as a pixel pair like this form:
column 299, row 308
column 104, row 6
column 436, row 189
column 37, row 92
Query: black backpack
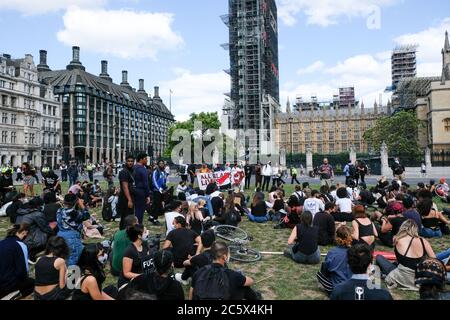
column 107, row 212
column 212, row 284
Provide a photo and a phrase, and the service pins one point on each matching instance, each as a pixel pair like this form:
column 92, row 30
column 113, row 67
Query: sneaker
column 180, row 280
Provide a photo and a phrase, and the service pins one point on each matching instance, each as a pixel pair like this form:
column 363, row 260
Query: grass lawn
column 277, row 277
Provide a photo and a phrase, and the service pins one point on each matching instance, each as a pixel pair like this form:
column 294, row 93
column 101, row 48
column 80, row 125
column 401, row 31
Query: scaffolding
column 403, row 63
column 409, row 90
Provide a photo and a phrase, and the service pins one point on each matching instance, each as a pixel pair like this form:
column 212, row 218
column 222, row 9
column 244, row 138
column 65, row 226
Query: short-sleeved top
column 142, row 261
column 51, row 180
column 182, row 243
column 259, row 210
column 413, row 215
column 313, row 205
column 217, row 205
column 50, row 211
column 355, row 289
column 202, row 259
column 237, row 280
column 345, row 205
column 307, row 239
column 125, row 175
column 326, row 224
column 120, row 244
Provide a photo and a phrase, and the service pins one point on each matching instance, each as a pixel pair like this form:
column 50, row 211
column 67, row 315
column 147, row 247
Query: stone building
column 326, row 128
column 30, row 115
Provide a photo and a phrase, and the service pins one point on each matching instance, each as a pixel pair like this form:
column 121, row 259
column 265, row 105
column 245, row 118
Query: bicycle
column 239, row 240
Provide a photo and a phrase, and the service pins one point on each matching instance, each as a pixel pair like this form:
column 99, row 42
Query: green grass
column 277, row 277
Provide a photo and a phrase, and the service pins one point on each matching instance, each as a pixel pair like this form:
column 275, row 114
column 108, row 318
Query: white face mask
column 102, row 259
column 145, row 236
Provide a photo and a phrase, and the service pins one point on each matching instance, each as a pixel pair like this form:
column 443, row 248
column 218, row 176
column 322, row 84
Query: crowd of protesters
column 349, row 220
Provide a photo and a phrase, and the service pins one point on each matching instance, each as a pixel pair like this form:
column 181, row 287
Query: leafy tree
column 209, row 120
column 399, row 131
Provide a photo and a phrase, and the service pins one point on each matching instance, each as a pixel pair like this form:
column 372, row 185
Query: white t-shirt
column 334, row 195
column 313, row 205
column 169, row 219
column 345, row 205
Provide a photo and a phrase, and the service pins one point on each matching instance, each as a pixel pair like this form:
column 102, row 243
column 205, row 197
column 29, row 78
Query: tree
column 400, row 132
column 209, row 120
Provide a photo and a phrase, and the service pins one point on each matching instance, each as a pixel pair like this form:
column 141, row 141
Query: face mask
column 102, row 259
column 145, row 236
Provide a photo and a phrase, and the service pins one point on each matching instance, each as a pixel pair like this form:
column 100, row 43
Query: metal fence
column 440, row 158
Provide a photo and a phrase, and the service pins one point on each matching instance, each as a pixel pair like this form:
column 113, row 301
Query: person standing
column 142, row 188
column 266, row 172
column 248, row 175
column 184, row 172
column 72, row 172
column 361, row 171
column 302, row 170
column 167, row 172
column 159, row 185
column 326, row 173
column 423, row 170
column 19, row 174
column 29, row 180
column 90, row 171
column 192, row 174
column 349, row 172
column 258, row 175
column 294, row 173
column 63, row 169
column 125, row 205
column 398, row 170
column 108, row 174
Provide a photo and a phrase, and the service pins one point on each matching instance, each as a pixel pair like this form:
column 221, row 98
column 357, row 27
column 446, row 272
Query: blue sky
column 175, row 44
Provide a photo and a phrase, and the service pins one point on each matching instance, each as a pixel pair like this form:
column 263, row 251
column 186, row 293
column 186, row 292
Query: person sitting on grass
column 137, row 258
column 194, row 218
column 172, row 210
column 258, row 210
column 50, row 272
column 357, row 288
column 196, row 262
column 51, row 206
column 433, row 221
column 231, row 214
column 344, row 206
column 410, row 250
column 14, row 263
column 431, row 276
column 182, row 241
column 120, row 243
column 390, row 223
column 335, row 269
column 208, row 282
column 325, row 222
column 303, row 242
column 364, row 230
column 313, row 204
column 160, row 282
column 91, row 264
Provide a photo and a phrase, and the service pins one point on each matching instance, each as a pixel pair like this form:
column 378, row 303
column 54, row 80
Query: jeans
column 73, row 240
column 72, row 180
column 262, row 219
column 443, row 255
column 385, row 265
column 247, row 181
column 303, row 258
column 157, row 208
column 430, row 233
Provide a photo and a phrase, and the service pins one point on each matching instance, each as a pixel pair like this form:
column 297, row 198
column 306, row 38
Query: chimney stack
column 104, row 74
column 75, row 63
column 156, row 95
column 141, row 87
column 42, row 66
column 125, row 80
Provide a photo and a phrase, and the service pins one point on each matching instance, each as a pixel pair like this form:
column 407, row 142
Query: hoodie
column 39, row 228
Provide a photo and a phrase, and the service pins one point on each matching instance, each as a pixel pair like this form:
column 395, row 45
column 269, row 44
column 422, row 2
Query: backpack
column 234, row 218
column 212, row 284
column 107, row 212
column 352, row 170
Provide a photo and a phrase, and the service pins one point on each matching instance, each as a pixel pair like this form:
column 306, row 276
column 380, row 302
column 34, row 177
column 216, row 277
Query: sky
column 175, row 44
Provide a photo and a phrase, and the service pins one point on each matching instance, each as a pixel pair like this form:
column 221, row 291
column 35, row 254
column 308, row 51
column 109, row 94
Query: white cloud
column 328, row 12
column 196, row 92
column 37, row 7
column 122, row 33
column 315, row 67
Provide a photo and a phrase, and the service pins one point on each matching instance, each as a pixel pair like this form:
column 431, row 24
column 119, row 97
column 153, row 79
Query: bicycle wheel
column 243, row 254
column 230, row 233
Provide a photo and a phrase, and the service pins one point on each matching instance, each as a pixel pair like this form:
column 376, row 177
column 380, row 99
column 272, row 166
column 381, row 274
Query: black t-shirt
column 217, row 205
column 50, row 180
column 142, row 261
column 182, row 244
column 326, row 224
column 191, row 169
column 153, row 284
column 237, row 281
column 307, row 239
column 50, row 210
column 201, row 260
column 278, row 205
column 126, row 175
column 396, row 224
column 259, row 210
